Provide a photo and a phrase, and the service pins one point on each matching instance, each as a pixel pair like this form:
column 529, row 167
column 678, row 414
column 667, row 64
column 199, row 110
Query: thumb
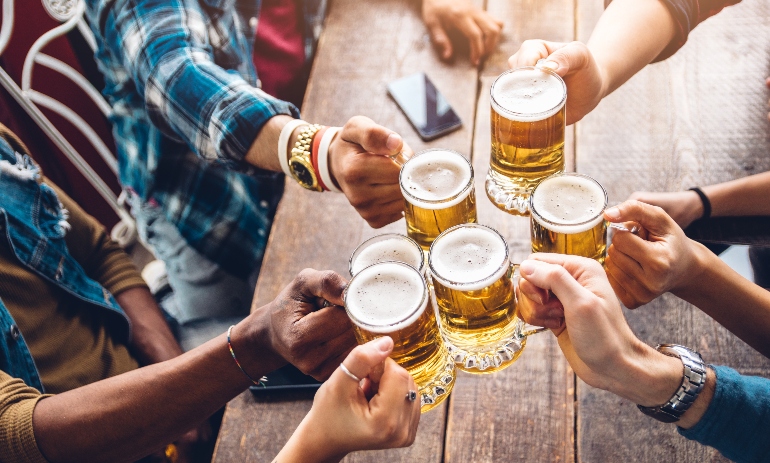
column 651, row 218
column 553, row 277
column 566, row 58
column 366, row 357
column 372, row 137
column 439, row 38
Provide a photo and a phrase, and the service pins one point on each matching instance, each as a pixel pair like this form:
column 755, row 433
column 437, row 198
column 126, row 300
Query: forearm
column 152, row 340
column 301, row 448
column 734, row 302
column 263, row 152
column 744, row 196
column 127, row 416
column 628, row 36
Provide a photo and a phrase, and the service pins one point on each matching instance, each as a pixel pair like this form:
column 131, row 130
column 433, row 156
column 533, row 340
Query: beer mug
column 473, row 284
column 391, row 298
column 437, row 185
column 384, row 248
column 528, row 122
column 567, row 216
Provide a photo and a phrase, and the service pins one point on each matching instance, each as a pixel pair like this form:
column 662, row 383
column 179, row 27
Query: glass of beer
column 437, row 185
column 568, row 216
column 528, row 117
column 391, row 298
column 474, row 292
column 384, row 248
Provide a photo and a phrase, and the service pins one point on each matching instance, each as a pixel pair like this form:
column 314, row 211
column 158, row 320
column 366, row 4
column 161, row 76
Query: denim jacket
column 34, row 223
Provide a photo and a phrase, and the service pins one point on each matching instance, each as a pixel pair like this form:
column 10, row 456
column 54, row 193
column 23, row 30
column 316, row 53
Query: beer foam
column 432, row 176
column 386, row 297
column 469, row 258
column 388, row 248
column 528, row 95
column 568, row 203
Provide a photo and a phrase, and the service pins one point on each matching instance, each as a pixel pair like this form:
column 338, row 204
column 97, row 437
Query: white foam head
column 386, row 297
column 384, row 248
column 469, row 257
column 433, row 176
column 528, row 94
column 568, row 203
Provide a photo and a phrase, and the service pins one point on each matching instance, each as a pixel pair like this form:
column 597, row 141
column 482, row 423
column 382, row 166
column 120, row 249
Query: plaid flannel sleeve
column 165, row 48
column 687, row 14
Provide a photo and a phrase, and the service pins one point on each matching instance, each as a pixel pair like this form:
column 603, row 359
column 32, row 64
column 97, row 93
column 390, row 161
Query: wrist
column 696, row 273
column 650, row 378
column 309, row 445
column 694, row 206
column 253, row 346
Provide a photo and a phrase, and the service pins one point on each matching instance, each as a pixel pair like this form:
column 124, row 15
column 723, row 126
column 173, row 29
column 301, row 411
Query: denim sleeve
column 737, row 421
column 687, row 14
column 165, row 47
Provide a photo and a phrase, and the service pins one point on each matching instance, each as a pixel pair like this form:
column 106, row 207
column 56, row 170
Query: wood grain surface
column 697, row 118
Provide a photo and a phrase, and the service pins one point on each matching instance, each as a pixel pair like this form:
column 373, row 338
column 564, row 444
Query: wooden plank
column 364, row 46
column 526, row 412
column 698, row 118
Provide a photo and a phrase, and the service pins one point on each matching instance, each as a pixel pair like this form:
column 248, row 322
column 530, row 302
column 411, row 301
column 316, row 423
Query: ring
column 411, row 396
column 326, row 304
column 347, row 372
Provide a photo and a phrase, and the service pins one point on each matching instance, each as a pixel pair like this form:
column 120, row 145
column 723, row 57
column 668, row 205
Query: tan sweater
column 72, row 344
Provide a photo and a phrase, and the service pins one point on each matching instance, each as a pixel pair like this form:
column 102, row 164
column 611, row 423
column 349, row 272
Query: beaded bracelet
column 262, row 380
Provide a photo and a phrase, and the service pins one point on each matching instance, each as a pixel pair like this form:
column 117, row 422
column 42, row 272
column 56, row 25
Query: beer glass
column 437, row 185
column 528, row 120
column 391, row 298
column 473, row 287
column 567, row 216
column 384, row 248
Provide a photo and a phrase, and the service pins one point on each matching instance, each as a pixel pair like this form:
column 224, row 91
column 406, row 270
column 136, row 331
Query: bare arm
column 744, row 196
column 152, row 340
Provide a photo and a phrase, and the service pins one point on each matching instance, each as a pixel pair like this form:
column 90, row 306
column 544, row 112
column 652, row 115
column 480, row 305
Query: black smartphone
column 287, row 378
column 424, row 106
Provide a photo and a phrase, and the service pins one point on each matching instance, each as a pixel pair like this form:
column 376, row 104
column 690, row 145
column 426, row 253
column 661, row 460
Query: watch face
column 303, row 175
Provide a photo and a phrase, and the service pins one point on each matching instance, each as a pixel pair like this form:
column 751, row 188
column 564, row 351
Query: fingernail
column 613, row 213
column 527, row 268
column 384, row 344
column 394, row 142
column 547, row 63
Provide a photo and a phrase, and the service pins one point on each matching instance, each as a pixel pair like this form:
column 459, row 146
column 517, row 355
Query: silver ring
column 347, row 372
column 411, row 396
column 326, row 304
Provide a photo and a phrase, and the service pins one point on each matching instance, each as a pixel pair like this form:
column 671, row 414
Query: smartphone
column 287, row 378
column 424, row 106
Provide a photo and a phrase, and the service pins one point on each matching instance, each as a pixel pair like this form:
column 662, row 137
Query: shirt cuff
column 19, row 435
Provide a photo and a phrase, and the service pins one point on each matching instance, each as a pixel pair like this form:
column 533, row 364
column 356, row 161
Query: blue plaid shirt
column 180, row 78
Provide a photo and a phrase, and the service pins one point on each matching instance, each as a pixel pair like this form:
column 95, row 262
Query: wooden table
column 698, row 118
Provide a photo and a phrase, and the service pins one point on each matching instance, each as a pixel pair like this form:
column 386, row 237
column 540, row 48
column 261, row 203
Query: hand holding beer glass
column 392, row 299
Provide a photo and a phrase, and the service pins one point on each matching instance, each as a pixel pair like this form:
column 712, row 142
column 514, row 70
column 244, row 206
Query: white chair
column 70, row 14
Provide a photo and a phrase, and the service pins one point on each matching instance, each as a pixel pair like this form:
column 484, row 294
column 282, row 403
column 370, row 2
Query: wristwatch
column 300, row 162
column 692, row 383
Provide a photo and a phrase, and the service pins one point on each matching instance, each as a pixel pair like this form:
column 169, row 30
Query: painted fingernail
column 394, row 142
column 613, row 213
column 384, row 343
column 527, row 268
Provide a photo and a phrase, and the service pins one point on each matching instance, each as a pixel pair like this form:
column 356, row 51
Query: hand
column 482, row 30
column 660, row 259
column 359, row 164
column 574, row 62
column 298, row 329
column 684, row 207
column 347, row 417
column 596, row 340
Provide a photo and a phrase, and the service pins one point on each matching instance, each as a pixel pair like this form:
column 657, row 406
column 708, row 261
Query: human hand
column 347, row 417
column 684, row 207
column 595, row 338
column 298, row 329
column 481, row 29
column 660, row 259
column 575, row 64
column 359, row 164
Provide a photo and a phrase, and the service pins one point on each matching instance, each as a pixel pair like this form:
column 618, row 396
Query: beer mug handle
column 400, row 158
column 527, row 329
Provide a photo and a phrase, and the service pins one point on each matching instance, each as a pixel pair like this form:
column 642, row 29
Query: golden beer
column 391, row 298
column 528, row 122
column 386, row 248
column 438, row 190
column 475, row 298
column 568, row 216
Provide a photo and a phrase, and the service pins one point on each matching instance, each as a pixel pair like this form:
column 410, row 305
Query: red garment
column 279, row 50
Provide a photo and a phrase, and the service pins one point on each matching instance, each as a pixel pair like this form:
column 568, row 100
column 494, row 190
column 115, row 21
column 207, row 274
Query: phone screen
column 286, row 378
column 424, row 105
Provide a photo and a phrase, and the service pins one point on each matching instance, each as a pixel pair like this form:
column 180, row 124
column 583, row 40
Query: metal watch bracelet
column 693, row 379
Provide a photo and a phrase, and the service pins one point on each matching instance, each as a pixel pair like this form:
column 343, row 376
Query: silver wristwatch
column 692, row 383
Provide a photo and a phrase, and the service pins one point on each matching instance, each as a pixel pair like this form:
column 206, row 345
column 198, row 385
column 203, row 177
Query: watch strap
column 283, row 143
column 323, row 159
